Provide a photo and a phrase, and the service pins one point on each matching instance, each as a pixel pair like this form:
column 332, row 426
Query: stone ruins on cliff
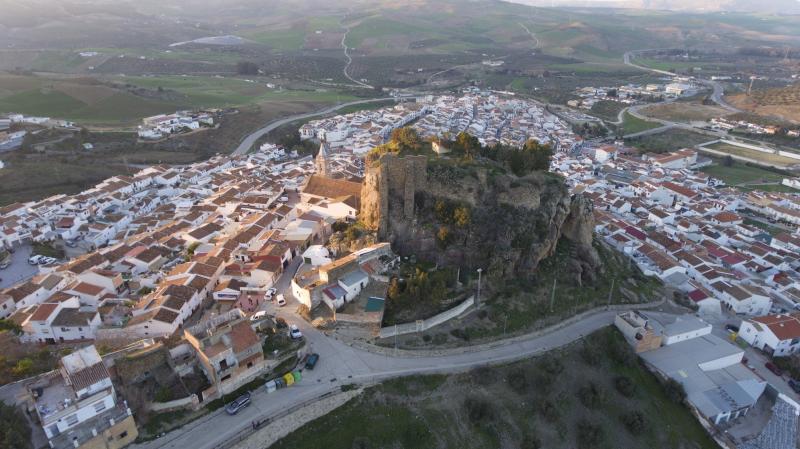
column 512, row 222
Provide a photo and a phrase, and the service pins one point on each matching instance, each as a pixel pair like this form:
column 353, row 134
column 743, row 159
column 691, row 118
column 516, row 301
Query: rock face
column 475, row 216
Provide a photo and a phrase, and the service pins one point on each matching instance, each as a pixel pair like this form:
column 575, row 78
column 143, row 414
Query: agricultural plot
column 684, row 111
column 669, row 140
column 760, row 156
column 783, row 102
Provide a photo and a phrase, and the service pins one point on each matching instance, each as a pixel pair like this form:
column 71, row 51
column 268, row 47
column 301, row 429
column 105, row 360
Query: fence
column 423, row 325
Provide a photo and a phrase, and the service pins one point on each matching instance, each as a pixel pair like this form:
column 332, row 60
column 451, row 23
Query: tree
column 246, row 68
column 461, row 216
column 727, row 161
column 14, row 430
column 8, row 325
column 406, row 139
column 634, row 421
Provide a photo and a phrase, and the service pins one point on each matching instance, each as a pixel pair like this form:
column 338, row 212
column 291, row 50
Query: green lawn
column 631, row 124
column 739, row 173
column 43, row 102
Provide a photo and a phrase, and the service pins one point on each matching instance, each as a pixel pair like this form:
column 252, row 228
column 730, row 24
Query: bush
column 634, row 421
column 479, row 411
column 14, row 430
column 460, row 333
column 517, row 380
column 674, row 390
column 591, row 395
column 163, row 395
column 625, row 386
column 589, row 435
column 548, row 410
column 530, row 442
column 590, row 354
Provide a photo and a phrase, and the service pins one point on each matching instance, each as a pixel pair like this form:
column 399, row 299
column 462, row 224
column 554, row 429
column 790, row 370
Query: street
column 341, row 364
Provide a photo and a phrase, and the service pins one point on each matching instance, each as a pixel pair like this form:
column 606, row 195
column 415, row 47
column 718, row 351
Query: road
column 342, row 364
column 251, row 139
column 717, row 89
column 349, row 62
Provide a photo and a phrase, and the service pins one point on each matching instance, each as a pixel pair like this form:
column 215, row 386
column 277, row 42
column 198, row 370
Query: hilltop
column 476, row 214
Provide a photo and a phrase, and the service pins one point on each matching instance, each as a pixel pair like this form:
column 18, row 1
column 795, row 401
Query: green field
column 669, row 140
column 632, row 125
column 567, row 399
column 739, row 173
column 761, row 156
column 114, row 101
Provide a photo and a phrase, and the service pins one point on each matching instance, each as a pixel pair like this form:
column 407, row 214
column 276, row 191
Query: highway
column 248, row 142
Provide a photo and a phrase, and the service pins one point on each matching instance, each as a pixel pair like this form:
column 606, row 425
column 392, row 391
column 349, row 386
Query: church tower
column 321, row 161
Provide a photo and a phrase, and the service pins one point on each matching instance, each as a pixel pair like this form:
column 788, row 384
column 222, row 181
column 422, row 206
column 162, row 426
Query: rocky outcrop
column 475, row 215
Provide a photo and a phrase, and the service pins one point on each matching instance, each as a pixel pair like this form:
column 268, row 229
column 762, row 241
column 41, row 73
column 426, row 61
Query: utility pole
column 505, row 322
column 610, row 292
column 553, row 295
column 478, row 298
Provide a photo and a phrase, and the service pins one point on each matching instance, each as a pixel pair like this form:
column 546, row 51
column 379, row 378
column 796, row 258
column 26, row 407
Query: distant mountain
column 761, row 6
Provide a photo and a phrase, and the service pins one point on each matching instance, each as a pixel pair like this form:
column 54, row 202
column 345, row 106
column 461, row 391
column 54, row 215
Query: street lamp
column 478, row 301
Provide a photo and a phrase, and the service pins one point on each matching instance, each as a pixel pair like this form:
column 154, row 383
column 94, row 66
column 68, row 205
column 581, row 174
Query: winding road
column 342, row 364
column 717, row 89
column 350, row 61
column 248, row 142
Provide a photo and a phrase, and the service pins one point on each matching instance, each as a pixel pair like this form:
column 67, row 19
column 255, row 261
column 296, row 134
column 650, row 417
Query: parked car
column 48, row 260
column 258, row 315
column 732, row 328
column 238, row 404
column 271, row 292
column 281, row 300
column 71, row 243
column 5, row 264
column 775, row 370
column 294, row 332
column 312, row 360
column 35, row 260
column 795, row 385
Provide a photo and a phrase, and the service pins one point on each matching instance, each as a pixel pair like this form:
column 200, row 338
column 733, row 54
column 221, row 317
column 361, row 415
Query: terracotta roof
column 785, row 327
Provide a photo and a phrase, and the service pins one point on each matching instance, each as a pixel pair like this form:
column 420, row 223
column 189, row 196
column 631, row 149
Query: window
column 123, row 434
column 249, row 364
column 72, row 419
column 63, row 329
column 99, row 407
column 80, row 329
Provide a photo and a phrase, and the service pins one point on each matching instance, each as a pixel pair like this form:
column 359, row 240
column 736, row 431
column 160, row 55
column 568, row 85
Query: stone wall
column 423, row 325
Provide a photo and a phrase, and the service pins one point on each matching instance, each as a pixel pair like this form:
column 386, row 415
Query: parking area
column 19, row 270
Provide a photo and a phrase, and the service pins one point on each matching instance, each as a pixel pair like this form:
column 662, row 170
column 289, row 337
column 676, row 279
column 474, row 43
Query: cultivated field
column 124, row 101
column 783, row 102
column 669, row 140
column 680, row 111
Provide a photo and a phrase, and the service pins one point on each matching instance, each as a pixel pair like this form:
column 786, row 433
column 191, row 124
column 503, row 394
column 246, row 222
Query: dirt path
column 349, row 62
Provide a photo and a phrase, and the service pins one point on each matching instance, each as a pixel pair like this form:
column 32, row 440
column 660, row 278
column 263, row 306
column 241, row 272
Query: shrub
column 530, row 442
column 517, row 380
column 589, row 435
column 591, row 395
column 548, row 410
column 552, row 365
column 163, row 395
column 674, row 390
column 625, row 386
column 460, row 333
column 427, row 338
column 590, row 354
column 634, row 421
column 479, row 411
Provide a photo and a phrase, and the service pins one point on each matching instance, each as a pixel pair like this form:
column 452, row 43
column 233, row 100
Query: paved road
column 251, row 139
column 342, row 364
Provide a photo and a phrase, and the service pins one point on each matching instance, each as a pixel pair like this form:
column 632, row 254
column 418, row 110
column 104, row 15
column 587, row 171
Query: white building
column 77, row 404
column 778, row 335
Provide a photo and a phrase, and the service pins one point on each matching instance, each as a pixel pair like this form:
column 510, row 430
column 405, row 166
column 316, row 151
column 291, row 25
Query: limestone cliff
column 475, row 215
